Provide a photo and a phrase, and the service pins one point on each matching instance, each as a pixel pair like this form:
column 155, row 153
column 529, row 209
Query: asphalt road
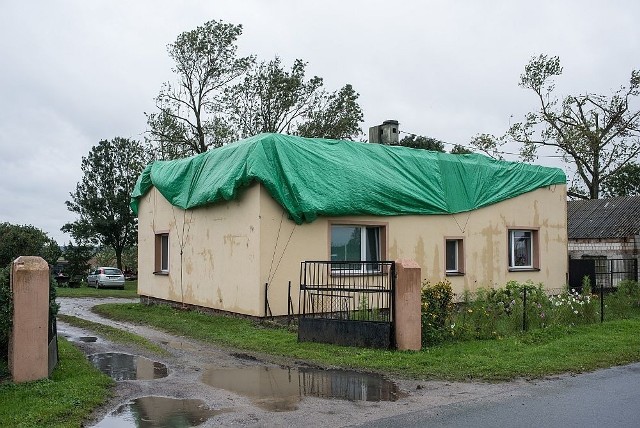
column 606, row 398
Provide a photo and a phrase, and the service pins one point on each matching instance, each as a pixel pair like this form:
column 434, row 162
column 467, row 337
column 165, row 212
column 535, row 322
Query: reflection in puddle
column 128, row 367
column 280, row 389
column 71, row 337
column 159, row 412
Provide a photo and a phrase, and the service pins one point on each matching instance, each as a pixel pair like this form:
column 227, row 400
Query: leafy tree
column 16, row 240
column 624, row 182
column 77, row 257
column 272, row 99
column 460, row 150
column 206, row 109
column 190, row 116
column 597, row 134
column 419, row 142
column 338, row 117
column 101, row 199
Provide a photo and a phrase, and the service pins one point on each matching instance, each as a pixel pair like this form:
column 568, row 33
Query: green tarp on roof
column 313, row 177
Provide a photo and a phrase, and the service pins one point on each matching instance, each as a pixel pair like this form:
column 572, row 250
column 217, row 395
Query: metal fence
column 350, row 290
column 347, row 303
column 610, row 272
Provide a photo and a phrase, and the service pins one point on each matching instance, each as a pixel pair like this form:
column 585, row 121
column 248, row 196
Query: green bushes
column 6, row 312
column 492, row 313
column 437, row 307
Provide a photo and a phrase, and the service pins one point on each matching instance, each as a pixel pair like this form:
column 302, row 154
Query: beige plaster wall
column 422, row 238
column 232, row 249
column 219, row 267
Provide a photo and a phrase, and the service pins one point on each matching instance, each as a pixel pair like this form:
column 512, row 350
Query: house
column 215, row 228
column 604, row 239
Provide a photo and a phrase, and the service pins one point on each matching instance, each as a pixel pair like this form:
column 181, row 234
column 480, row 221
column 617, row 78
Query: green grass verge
column 65, row 400
column 113, row 334
column 130, row 290
column 534, row 354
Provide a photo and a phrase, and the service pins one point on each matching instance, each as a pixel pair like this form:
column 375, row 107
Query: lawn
column 130, row 290
column 532, row 354
column 65, row 400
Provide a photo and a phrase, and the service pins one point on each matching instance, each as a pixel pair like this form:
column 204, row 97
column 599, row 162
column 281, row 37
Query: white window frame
column 459, row 255
column 363, row 247
column 531, row 249
column 162, row 252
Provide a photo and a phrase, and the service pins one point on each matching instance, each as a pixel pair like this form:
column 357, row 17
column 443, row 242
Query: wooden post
column 407, row 317
column 29, row 339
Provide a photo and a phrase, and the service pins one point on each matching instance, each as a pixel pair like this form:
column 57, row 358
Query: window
column 454, row 260
column 162, row 253
column 523, row 249
column 356, row 243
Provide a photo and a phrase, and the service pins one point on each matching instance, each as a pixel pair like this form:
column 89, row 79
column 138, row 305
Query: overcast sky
column 76, row 72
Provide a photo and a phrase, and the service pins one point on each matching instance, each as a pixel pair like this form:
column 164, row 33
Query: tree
column 597, row 134
column 460, row 150
column 338, row 117
column 624, row 182
column 419, row 142
column 212, row 104
column 77, row 257
column 190, row 117
column 102, row 198
column 16, row 240
column 272, row 99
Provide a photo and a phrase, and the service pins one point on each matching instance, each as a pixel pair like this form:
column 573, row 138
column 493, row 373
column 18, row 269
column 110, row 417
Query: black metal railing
column 347, row 290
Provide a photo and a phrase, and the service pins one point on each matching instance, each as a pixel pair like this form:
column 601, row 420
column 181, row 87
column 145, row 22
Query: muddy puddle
column 280, row 389
column 151, row 412
column 73, row 338
column 128, row 367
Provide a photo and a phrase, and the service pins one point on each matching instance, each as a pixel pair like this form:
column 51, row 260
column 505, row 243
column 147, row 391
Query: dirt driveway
column 258, row 390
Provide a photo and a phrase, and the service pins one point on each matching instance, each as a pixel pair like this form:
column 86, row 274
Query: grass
column 534, row 354
column 65, row 400
column 130, row 290
column 113, row 334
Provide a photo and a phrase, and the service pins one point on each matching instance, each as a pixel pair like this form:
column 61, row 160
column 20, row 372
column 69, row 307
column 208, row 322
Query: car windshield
column 112, row 271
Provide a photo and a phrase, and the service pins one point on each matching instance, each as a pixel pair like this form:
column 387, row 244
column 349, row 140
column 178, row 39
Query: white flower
column 575, row 312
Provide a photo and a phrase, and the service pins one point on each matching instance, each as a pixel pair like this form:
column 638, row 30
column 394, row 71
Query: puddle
column 151, row 412
column 128, row 367
column 88, row 339
column 280, row 389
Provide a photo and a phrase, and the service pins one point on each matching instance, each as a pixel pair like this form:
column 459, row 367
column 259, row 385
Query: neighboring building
column 215, row 228
column 606, row 231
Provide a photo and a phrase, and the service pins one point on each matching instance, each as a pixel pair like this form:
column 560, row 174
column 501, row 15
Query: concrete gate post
column 407, row 314
column 29, row 339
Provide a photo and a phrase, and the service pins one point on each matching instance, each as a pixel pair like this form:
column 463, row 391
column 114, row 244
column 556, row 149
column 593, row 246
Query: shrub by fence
column 493, row 313
column 6, row 312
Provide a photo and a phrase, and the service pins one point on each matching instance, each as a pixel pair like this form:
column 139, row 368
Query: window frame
column 459, row 252
column 162, row 264
column 534, row 249
column 382, row 242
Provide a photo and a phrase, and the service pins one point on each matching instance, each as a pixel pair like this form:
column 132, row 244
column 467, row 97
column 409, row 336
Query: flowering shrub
column 437, row 309
column 573, row 308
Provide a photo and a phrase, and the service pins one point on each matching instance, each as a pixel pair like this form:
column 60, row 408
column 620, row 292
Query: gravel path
column 190, row 360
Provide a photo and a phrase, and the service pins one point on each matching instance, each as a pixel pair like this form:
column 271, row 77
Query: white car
column 106, row 277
